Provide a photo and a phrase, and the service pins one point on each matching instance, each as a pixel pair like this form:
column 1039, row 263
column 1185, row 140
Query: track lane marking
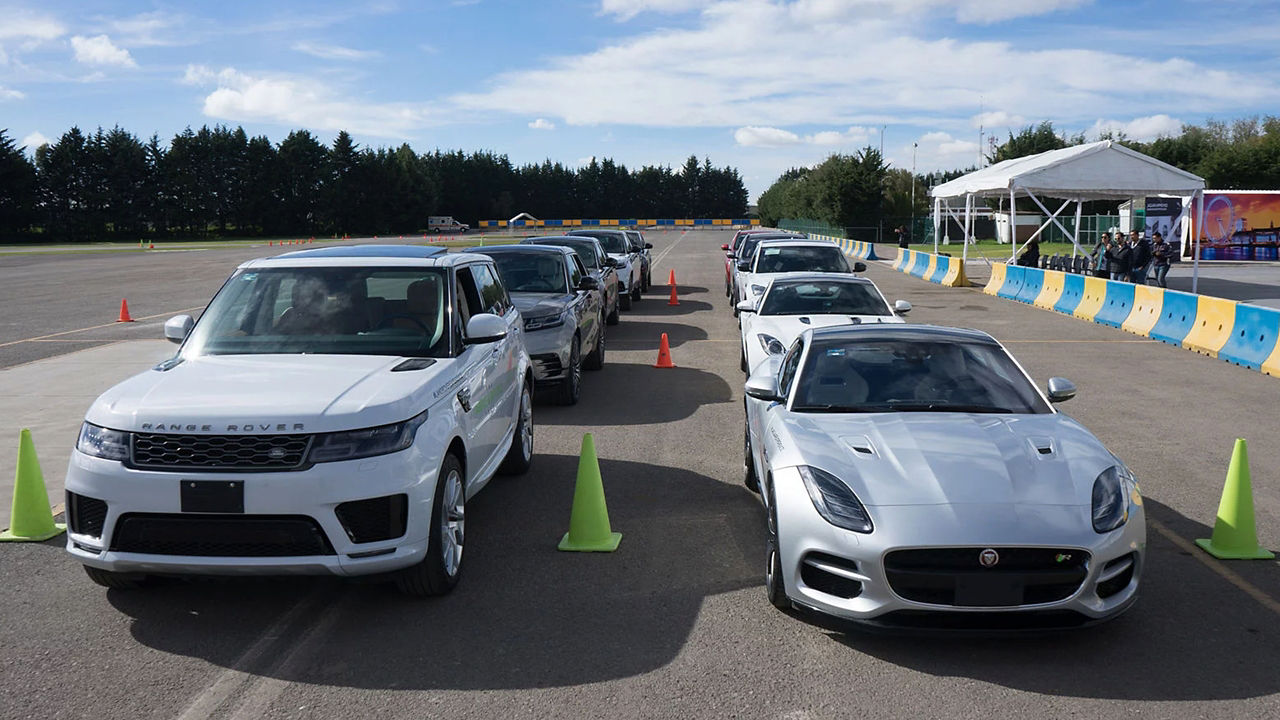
column 1217, row 566
column 96, row 327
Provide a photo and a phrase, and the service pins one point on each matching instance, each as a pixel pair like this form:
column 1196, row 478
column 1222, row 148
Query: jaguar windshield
column 327, row 310
column 776, row 259
column 913, row 376
column 809, row 297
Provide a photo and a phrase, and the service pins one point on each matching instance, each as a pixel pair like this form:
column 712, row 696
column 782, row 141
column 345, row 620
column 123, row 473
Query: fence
column 817, row 227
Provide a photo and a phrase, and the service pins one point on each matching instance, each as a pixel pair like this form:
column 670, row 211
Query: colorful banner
column 1240, row 226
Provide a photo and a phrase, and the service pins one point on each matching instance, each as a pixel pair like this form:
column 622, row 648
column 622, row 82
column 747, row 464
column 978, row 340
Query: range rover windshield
column 327, row 310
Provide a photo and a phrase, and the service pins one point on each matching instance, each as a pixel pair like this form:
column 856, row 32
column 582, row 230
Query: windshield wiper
column 917, row 406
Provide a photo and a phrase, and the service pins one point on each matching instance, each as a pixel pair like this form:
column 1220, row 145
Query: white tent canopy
column 1097, row 171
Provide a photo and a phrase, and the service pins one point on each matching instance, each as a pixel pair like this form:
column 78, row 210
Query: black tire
column 624, row 301
column 433, row 575
column 520, row 456
column 742, row 363
column 115, row 580
column 749, row 467
column 595, row 361
column 774, row 586
column 612, row 318
column 635, row 293
column 733, row 303
column 570, row 388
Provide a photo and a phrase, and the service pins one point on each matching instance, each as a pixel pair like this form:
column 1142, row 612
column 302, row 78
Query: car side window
column 468, row 294
column 790, row 364
column 576, row 271
column 493, row 297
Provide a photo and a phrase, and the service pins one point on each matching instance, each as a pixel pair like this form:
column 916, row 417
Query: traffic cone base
column 30, row 518
column 673, row 300
column 664, row 354
column 589, row 529
column 1235, row 534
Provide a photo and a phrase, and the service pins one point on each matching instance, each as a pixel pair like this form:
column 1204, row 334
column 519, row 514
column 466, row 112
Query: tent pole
column 968, row 206
column 1199, row 230
column 937, row 214
column 1075, row 240
column 1013, row 222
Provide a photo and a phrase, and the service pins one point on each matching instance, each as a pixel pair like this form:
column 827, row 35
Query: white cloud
column 33, row 141
column 627, row 9
column 1141, row 129
column 26, row 26
column 755, row 136
column 300, row 101
column 542, row 124
column 997, row 119
column 157, row 28
column 99, row 50
column 942, row 151
column 334, row 52
column 10, row 94
column 965, row 11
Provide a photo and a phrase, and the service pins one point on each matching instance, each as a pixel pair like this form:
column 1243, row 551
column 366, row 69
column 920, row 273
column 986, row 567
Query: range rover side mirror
column 177, row 328
column 610, row 262
column 588, row 283
column 859, row 267
column 901, row 307
column 648, row 246
column 1061, row 389
column 485, row 328
column 763, row 385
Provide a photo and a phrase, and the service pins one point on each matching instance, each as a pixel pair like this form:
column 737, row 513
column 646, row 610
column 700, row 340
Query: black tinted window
column 538, row 272
column 816, row 297
column 781, row 258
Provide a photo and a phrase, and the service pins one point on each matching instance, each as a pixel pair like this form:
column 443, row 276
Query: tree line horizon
column 220, row 182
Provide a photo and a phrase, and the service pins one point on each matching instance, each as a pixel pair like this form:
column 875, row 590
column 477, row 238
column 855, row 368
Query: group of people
column 1134, row 259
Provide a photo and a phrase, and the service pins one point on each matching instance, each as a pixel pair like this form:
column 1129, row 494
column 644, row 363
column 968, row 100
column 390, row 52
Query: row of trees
column 112, row 185
column 1239, row 155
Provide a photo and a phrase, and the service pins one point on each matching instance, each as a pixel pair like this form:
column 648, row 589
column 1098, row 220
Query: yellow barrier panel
column 955, row 276
column 755, row 221
column 1147, row 304
column 998, row 273
column 1271, row 365
column 1215, row 319
column 1051, row 291
column 1095, row 294
column 933, row 265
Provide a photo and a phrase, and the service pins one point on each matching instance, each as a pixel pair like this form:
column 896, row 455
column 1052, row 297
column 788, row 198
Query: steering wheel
column 416, row 321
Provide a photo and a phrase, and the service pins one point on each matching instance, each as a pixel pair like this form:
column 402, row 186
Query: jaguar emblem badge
column 989, row 558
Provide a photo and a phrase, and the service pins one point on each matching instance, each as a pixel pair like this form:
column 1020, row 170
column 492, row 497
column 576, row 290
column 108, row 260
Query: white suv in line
column 331, row 413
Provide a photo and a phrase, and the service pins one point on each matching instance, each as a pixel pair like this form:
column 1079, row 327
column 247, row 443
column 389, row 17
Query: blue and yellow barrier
column 1032, row 283
column 1212, row 328
column 999, row 271
column 852, row 248
column 1177, row 315
column 1072, row 294
column 1253, row 337
column 1116, row 304
column 1148, row 302
column 1051, row 289
column 625, row 222
column 940, row 269
column 1013, row 279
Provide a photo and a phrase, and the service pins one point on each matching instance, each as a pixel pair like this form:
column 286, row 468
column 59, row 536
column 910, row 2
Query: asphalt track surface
column 675, row 624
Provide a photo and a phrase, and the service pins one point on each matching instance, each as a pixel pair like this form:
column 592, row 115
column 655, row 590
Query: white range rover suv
column 330, row 413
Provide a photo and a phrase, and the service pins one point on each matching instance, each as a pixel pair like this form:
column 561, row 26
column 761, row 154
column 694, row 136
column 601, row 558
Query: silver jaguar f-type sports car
column 915, row 476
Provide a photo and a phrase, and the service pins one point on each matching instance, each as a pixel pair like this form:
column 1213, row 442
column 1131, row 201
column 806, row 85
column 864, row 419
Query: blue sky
column 759, row 84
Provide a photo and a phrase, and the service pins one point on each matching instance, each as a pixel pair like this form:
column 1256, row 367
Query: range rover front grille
column 228, row 453
column 220, row 535
column 957, row 577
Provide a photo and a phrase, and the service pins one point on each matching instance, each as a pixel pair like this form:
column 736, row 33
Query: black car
column 598, row 263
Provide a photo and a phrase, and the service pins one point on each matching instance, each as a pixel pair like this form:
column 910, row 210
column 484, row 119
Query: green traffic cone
column 1235, row 537
column 30, row 519
column 589, row 529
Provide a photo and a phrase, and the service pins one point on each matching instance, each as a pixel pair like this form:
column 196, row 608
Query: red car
column 732, row 250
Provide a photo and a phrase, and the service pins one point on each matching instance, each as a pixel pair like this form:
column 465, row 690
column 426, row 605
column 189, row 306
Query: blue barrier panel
column 1072, row 294
column 554, row 223
column 1013, row 279
column 920, row 262
column 1253, row 337
column 871, row 251
column 517, row 223
column 1177, row 316
column 1032, row 283
column 1117, row 305
column 702, row 221
column 590, row 222
column 940, row 269
column 629, row 222
column 667, row 221
column 741, row 221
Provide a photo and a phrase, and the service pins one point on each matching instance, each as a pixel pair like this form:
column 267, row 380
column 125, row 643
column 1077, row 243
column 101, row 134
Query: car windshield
column 585, row 250
column 612, row 242
column 532, row 272
column 819, row 297
column 327, row 310
column 800, row 259
column 842, row 375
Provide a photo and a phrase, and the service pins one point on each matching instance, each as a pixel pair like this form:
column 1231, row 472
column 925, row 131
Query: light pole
column 882, row 127
column 914, row 147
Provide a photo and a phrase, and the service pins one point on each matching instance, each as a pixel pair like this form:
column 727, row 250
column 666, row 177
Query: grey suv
column 598, row 263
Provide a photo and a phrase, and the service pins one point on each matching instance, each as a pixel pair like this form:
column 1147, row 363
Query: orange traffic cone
column 151, row 246
column 673, row 300
column 124, row 311
column 664, row 354
column 671, row 279
column 311, row 241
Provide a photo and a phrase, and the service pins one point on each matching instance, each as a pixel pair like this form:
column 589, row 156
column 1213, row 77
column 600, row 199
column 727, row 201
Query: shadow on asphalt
column 639, row 335
column 681, row 289
column 681, row 392
column 524, row 615
column 1191, row 636
column 657, row 306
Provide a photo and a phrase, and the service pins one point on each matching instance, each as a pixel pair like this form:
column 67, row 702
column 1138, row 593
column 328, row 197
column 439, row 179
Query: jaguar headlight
column 103, row 443
column 834, row 501
column 353, row 444
column 771, row 344
column 1111, row 498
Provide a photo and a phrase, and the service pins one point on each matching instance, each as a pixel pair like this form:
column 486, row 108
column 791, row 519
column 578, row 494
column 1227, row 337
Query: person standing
column 1099, row 256
column 1140, row 258
column 1161, row 256
column 1118, row 256
column 902, row 237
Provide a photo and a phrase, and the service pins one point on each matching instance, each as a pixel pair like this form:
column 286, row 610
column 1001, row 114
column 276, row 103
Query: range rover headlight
column 1111, row 498
column 354, row 444
column 544, row 322
column 834, row 501
column 103, row 443
column 771, row 344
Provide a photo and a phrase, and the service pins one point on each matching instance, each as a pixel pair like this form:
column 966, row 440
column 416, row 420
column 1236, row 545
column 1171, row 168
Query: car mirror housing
column 588, row 283
column 648, row 246
column 1061, row 389
column 762, row 386
column 747, row 306
column 610, row 262
column 859, row 267
column 725, row 247
column 744, row 265
column 177, row 328
column 901, row 307
column 485, row 328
